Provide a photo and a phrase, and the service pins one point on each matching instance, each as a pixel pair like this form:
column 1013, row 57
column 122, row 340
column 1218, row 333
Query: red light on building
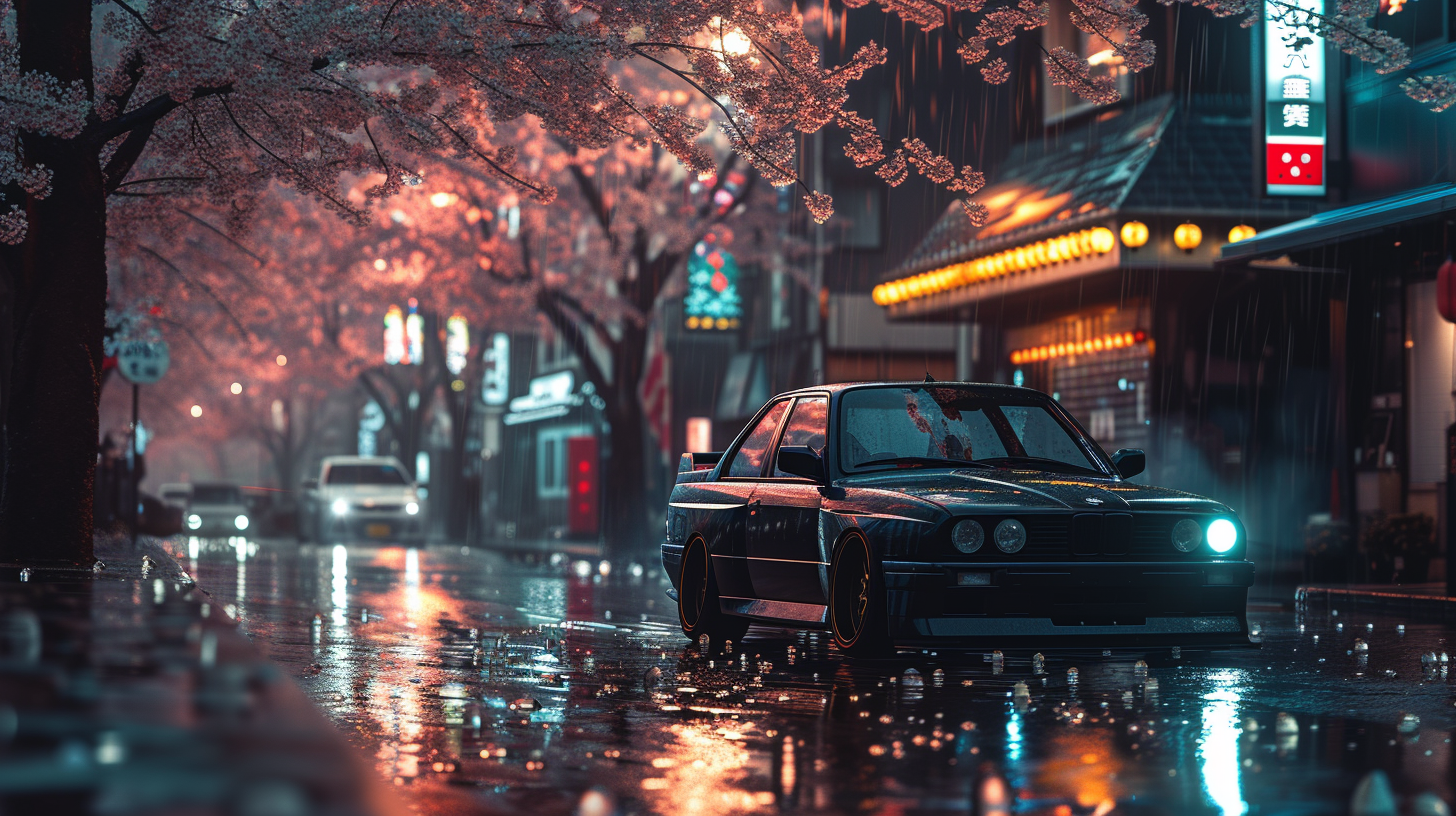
column 583, row 514
column 1446, row 290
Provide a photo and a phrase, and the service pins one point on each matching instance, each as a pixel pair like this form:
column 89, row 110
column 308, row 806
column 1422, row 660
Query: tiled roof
column 1155, row 156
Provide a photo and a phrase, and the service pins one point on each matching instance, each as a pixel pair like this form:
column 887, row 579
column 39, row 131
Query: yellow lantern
column 878, row 295
column 1102, row 240
column 1187, row 236
column 1242, row 232
column 1134, row 234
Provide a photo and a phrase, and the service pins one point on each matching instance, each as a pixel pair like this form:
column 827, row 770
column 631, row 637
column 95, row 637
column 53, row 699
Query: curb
column 1327, row 599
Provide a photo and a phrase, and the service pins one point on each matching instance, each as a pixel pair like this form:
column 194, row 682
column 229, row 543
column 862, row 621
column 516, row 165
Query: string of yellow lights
column 1070, row 247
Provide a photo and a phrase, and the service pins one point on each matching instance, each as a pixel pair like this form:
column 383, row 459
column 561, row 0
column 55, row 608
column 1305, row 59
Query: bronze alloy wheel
column 693, row 586
column 697, row 599
column 857, row 599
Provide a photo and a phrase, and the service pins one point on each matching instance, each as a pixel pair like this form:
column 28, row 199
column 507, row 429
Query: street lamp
column 1242, row 232
column 1187, row 236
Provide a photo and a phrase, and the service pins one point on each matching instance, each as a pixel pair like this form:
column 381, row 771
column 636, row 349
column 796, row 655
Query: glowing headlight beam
column 1222, row 535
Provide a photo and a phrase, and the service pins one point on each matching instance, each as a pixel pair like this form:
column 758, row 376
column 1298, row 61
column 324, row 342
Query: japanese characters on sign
column 1294, row 99
column 143, row 361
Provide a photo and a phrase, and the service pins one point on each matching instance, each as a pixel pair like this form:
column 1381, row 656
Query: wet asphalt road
column 481, row 684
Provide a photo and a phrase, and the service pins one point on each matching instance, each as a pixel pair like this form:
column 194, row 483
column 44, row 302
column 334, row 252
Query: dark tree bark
column 57, row 278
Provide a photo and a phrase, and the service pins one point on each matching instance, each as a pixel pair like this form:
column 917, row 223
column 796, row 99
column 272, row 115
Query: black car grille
column 1112, row 534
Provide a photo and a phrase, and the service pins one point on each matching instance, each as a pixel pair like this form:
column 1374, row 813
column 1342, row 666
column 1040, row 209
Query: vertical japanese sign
column 1294, row 99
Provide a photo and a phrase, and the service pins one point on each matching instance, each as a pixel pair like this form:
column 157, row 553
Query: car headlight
column 1222, row 535
column 1010, row 536
column 967, row 536
column 241, row 522
column 340, row 507
column 1187, row 535
column 194, row 521
column 412, row 507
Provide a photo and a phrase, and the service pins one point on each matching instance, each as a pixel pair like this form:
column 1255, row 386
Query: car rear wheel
column 857, row 600
column 697, row 600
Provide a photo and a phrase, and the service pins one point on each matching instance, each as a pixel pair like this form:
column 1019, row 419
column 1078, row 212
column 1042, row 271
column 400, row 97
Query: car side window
column 807, row 426
column 748, row 461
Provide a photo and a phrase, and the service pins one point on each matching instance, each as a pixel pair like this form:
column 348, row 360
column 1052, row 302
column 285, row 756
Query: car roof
column 362, row 460
column 834, row 388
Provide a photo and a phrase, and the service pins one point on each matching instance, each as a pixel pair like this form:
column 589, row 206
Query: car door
column 723, row 504
column 784, row 558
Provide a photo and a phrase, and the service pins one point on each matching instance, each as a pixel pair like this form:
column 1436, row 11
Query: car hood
column 377, row 492
column 218, row 509
column 965, row 490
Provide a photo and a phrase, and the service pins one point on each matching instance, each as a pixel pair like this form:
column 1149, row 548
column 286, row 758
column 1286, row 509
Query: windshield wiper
column 924, row 461
column 1050, row 465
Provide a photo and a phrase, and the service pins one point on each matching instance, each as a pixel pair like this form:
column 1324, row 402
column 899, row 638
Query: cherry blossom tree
column 110, row 107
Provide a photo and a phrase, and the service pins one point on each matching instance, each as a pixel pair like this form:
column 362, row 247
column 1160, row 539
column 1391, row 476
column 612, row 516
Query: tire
column 697, row 600
column 857, row 600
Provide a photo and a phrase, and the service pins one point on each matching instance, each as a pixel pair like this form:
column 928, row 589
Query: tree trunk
column 625, row 501
column 58, row 280
column 59, row 277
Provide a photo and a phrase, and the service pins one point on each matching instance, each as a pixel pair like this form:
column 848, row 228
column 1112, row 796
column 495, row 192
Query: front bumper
column 1036, row 604
column 366, row 526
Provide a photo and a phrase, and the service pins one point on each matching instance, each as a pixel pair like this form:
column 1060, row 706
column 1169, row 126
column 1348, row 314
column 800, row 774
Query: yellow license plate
column 377, row 530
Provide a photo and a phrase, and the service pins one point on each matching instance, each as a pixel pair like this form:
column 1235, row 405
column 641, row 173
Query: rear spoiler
column 698, row 461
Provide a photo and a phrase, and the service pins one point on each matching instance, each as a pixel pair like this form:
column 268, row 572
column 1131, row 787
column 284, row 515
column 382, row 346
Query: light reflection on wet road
column 478, row 684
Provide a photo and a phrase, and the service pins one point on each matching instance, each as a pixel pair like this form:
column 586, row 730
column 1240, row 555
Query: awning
column 1336, row 226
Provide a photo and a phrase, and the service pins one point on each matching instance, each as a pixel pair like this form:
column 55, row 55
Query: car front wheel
column 697, row 600
column 857, row 600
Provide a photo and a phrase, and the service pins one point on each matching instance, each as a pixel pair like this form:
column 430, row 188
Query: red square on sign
column 1295, row 164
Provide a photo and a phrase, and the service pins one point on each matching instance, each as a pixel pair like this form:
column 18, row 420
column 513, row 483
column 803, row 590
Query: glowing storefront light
column 393, row 336
column 1087, row 243
column 1218, row 753
column 457, row 343
column 1096, row 345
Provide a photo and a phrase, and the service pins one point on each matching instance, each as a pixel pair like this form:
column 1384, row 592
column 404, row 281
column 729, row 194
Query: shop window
column 551, row 459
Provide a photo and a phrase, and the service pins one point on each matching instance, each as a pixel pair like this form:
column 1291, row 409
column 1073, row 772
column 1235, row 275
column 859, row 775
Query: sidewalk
column 127, row 691
column 1421, row 601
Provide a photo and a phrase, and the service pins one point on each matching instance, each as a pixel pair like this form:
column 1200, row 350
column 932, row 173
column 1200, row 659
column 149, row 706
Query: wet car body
column 1097, row 563
column 216, row 509
column 364, row 498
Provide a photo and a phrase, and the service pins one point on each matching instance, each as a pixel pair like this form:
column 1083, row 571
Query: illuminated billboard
column 712, row 300
column 1294, row 100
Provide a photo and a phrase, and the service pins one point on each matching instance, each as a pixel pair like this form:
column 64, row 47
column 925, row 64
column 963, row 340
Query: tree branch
column 152, row 111
column 561, row 320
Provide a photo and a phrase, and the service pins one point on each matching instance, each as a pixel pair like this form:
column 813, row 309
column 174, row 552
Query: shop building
column 1094, row 280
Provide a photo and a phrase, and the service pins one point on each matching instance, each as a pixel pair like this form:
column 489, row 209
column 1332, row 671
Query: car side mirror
column 802, row 461
column 309, row 484
column 1129, row 462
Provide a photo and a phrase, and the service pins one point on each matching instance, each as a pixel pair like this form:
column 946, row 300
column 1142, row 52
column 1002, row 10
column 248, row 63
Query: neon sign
column 1294, row 99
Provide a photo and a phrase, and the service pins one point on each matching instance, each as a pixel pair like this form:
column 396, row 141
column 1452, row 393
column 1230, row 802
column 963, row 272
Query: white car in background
column 177, row 495
column 216, row 509
column 357, row 498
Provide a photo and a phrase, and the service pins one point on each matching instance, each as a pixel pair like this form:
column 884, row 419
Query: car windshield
column 955, row 426
column 216, row 494
column 365, row 475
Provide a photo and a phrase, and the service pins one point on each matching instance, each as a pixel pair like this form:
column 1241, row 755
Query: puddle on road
column 473, row 681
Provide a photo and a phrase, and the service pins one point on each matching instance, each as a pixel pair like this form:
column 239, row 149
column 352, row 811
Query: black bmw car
column 946, row 514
